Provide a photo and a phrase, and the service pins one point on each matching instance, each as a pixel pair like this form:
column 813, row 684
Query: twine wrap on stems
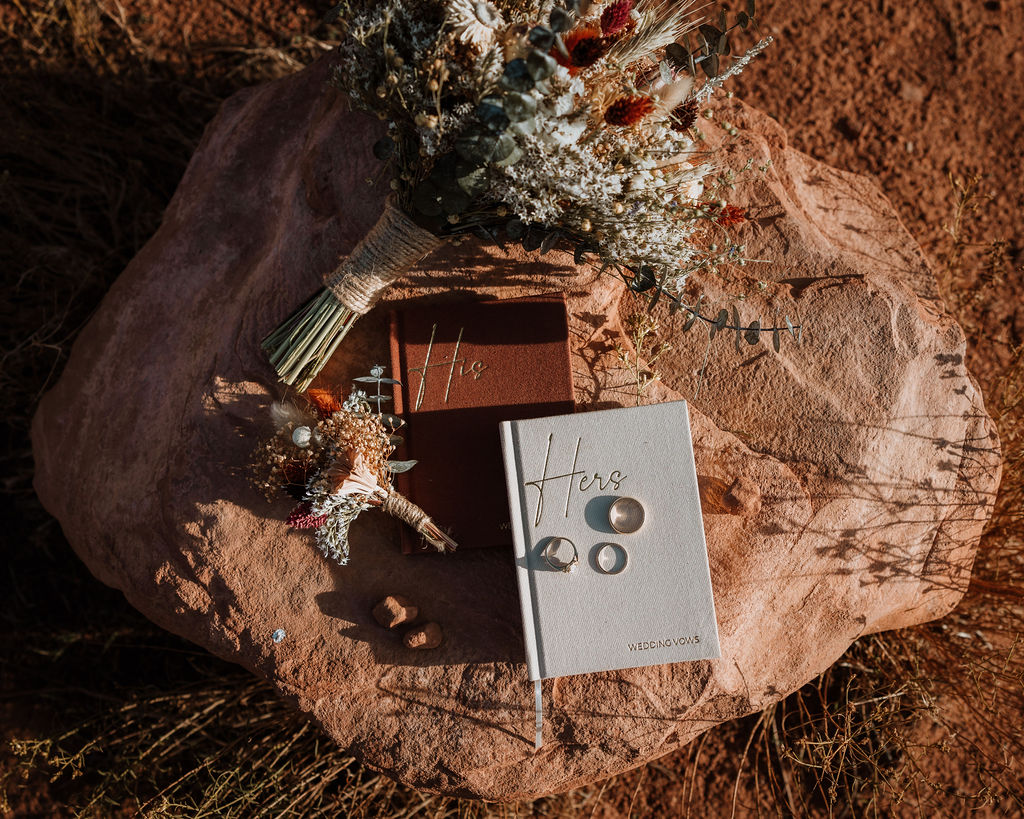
column 392, row 246
column 399, row 506
column 302, row 344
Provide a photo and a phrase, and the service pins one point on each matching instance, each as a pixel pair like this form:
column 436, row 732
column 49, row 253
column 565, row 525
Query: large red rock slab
column 845, row 481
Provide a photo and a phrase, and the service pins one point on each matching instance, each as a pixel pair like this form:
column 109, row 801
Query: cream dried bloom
column 475, row 22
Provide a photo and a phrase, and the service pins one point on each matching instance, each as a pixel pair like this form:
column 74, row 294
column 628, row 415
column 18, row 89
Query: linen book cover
column 563, row 473
column 464, row 368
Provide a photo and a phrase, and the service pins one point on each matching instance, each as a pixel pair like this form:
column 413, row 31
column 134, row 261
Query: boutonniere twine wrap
column 332, row 457
column 569, row 126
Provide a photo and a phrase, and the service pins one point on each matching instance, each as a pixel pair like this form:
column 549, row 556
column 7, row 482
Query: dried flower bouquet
column 566, row 124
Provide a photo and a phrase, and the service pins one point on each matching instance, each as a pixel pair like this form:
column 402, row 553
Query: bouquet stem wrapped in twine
column 301, row 346
column 399, row 506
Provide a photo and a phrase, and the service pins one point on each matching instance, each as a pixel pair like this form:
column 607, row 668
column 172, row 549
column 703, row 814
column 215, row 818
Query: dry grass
column 107, row 715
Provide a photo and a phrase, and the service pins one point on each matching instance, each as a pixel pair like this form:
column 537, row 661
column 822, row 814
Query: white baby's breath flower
column 562, row 131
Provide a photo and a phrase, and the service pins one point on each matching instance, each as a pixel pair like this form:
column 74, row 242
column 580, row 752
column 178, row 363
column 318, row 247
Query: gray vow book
column 644, row 600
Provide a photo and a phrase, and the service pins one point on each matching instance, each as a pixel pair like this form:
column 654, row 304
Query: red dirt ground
column 913, row 94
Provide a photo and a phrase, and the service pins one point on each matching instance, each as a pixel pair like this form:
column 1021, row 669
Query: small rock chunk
column 394, row 610
column 426, row 636
column 743, row 498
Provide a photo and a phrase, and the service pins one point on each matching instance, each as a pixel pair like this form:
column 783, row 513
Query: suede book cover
column 464, row 368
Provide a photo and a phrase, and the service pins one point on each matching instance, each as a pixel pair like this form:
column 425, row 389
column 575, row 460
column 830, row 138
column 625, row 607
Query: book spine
column 516, row 505
column 689, row 463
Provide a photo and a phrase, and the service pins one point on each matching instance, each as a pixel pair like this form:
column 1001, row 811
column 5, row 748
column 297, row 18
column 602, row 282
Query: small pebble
column 743, row 497
column 394, row 610
column 426, row 636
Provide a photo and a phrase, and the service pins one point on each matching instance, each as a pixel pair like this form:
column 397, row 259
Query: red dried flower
column 628, row 110
column 684, row 115
column 616, row 17
column 325, row 401
column 302, row 517
column 585, row 46
column 730, row 215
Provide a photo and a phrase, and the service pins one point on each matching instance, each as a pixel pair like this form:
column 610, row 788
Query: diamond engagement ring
column 560, row 554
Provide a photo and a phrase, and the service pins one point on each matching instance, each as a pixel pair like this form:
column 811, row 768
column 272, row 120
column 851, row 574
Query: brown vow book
column 464, row 368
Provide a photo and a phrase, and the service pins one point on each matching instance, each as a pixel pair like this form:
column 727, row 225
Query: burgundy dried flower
column 628, row 110
column 616, row 17
column 684, row 115
column 302, row 517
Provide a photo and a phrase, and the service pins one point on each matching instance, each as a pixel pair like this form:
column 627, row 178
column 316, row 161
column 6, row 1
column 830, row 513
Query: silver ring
column 550, row 554
column 626, row 515
column 611, row 558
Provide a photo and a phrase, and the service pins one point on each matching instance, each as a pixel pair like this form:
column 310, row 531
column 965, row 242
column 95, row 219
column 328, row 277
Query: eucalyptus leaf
column 560, row 45
column 396, row 467
column 722, row 47
column 516, row 77
column 525, row 127
column 691, row 320
column 560, row 21
column 753, row 333
column 540, row 65
column 739, row 327
column 789, row 326
column 541, row 37
column 476, row 147
column 493, row 118
column 549, row 242
column 677, row 55
column 710, row 34
column 519, row 107
column 516, row 229
column 532, row 240
column 720, row 322
column 776, row 339
column 750, row 8
column 642, row 280
column 503, row 148
column 471, row 179
column 513, row 157
column 743, row 19
column 710, row 65
column 384, row 148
